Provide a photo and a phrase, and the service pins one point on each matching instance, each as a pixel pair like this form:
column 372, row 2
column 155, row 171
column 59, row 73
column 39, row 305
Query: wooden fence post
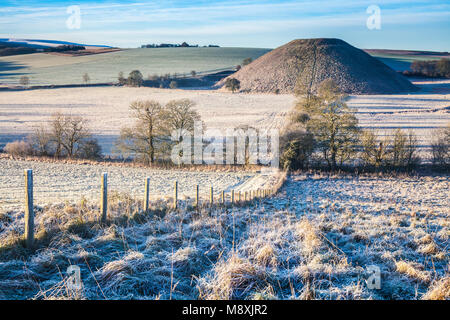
column 232, row 197
column 147, row 195
column 175, row 195
column 196, row 197
column 29, row 210
column 211, row 196
column 223, row 197
column 104, row 200
column 239, row 196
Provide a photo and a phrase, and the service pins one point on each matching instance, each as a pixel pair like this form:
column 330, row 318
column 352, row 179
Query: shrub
column 374, row 152
column 90, row 149
column 135, row 78
column 173, row 84
column 297, row 146
column 41, row 141
column 18, row 149
column 440, row 147
column 232, row 84
column 24, row 81
column 403, row 150
column 121, row 79
column 247, row 61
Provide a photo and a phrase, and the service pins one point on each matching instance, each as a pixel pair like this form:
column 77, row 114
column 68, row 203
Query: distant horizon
column 383, row 24
column 206, row 45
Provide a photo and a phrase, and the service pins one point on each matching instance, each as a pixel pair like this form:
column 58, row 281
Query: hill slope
column 315, row 60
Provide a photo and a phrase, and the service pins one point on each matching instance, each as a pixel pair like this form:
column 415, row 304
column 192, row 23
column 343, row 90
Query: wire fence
column 215, row 198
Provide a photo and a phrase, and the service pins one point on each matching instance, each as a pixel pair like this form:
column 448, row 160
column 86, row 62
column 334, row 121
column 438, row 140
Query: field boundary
column 110, row 162
column 225, row 199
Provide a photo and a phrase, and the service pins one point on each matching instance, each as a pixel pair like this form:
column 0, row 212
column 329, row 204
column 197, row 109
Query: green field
column 44, row 69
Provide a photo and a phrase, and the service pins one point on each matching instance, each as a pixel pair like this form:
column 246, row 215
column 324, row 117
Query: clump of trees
column 399, row 151
column 149, row 139
column 62, row 136
column 323, row 130
column 233, row 84
column 430, row 68
column 327, row 125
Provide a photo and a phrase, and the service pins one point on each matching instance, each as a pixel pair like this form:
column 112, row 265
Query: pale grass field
column 314, row 240
column 107, row 109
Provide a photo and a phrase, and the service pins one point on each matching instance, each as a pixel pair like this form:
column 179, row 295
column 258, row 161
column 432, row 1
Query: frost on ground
column 107, row 109
column 59, row 182
column 314, row 240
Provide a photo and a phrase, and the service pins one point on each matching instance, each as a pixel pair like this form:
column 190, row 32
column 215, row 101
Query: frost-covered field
column 107, row 108
column 420, row 112
column 59, row 182
column 314, row 240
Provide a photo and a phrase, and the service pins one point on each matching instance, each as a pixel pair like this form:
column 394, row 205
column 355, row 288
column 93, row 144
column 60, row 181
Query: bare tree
column 86, row 78
column 57, row 132
column 180, row 115
column 330, row 120
column 40, row 141
column 141, row 139
column 68, row 133
column 75, row 133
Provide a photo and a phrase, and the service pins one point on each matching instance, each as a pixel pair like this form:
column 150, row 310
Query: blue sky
column 405, row 24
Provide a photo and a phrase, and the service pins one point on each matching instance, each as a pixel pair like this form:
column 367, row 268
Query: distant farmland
column 44, row 69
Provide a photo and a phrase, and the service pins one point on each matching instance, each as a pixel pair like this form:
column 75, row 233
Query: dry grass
column 313, row 240
column 440, row 290
column 412, row 270
column 236, row 277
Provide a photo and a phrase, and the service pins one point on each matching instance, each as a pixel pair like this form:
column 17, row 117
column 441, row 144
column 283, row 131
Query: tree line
column 148, row 140
column 430, row 68
column 322, row 129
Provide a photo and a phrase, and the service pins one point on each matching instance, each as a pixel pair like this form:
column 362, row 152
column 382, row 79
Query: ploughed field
column 420, row 112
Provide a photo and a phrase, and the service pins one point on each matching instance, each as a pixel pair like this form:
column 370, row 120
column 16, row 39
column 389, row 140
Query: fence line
column 248, row 196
